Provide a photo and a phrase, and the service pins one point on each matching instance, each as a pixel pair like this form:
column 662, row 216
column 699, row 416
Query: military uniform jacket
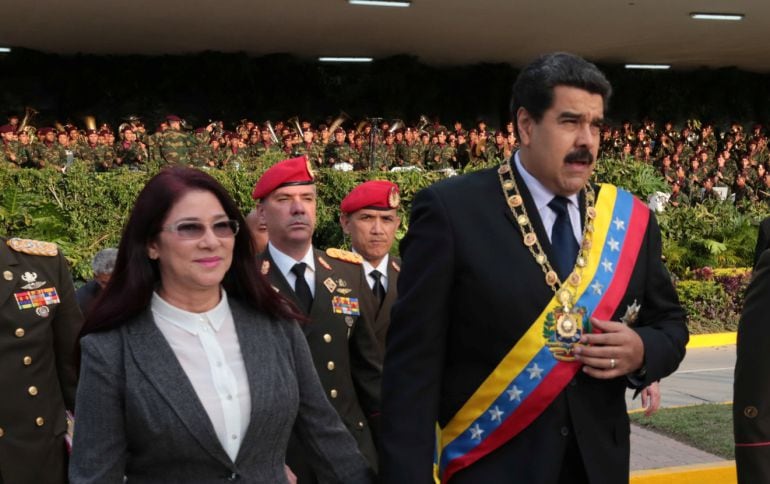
column 39, row 325
column 343, row 347
column 380, row 315
column 751, row 399
column 468, row 290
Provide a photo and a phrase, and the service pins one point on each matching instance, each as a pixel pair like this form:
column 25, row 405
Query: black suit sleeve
column 763, row 239
column 661, row 323
column 751, row 399
column 416, row 344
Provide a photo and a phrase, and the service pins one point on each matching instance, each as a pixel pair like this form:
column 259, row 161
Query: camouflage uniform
column 336, row 153
column 99, row 157
column 440, row 156
column 175, row 147
column 385, row 157
column 411, row 154
column 52, row 154
column 10, row 152
column 496, row 153
column 261, row 149
column 131, row 155
column 313, row 151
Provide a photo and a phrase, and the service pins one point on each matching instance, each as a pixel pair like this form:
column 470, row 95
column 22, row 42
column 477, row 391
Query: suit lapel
column 321, row 305
column 156, row 360
column 279, row 281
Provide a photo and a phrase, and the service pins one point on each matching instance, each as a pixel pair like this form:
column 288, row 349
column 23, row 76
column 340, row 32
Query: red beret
column 294, row 171
column 377, row 194
column 44, row 131
column 173, row 117
column 91, row 131
column 6, row 128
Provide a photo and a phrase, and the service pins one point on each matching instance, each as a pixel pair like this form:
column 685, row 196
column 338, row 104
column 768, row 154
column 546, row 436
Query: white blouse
column 206, row 345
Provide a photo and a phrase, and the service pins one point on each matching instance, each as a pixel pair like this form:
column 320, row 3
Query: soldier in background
column 174, row 143
column 41, row 322
column 9, row 152
column 441, row 154
column 338, row 151
column 131, row 152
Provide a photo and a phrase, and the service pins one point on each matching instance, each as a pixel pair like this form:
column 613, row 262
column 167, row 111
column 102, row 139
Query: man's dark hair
column 533, row 89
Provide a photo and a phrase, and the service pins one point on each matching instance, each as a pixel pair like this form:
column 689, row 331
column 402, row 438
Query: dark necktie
column 565, row 247
column 378, row 289
column 301, row 289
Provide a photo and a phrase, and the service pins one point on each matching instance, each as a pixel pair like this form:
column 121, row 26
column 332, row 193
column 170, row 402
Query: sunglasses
column 223, row 229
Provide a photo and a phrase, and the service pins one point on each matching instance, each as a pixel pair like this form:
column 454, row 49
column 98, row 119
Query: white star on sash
column 534, row 372
column 476, row 432
column 496, row 414
column 597, row 287
column 514, row 394
column 619, row 224
column 607, row 265
column 614, row 244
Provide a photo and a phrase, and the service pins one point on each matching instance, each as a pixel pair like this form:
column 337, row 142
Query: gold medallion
column 551, row 278
column 564, row 296
column 522, row 220
column 566, row 326
column 530, row 239
column 504, row 169
column 540, row 259
column 586, row 244
column 574, row 279
column 515, row 201
column 591, row 212
column 393, row 198
column 581, row 261
column 590, row 227
column 508, row 185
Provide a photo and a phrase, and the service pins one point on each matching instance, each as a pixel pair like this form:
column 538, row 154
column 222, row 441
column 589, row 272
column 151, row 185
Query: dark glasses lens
column 195, row 230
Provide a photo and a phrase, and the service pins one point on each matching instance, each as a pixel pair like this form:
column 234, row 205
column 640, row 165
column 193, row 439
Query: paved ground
column 705, row 376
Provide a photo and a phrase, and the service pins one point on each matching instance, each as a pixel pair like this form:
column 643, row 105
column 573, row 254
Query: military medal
column 42, row 311
column 31, row 279
column 565, row 326
column 632, row 313
column 330, row 284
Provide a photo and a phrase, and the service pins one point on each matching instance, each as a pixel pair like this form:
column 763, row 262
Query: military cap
column 91, row 131
column 6, row 128
column 293, row 171
column 339, row 130
column 44, row 131
column 376, row 194
column 173, row 117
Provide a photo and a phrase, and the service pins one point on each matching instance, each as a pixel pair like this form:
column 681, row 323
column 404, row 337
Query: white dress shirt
column 285, row 263
column 382, row 267
column 543, row 196
column 206, row 345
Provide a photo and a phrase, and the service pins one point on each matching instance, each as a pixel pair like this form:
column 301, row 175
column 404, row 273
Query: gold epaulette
column 33, row 247
column 345, row 255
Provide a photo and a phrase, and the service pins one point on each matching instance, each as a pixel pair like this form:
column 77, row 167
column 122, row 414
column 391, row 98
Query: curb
column 711, row 340
column 714, row 473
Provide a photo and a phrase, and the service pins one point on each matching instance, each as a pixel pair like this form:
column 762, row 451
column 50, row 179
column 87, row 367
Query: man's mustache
column 582, row 155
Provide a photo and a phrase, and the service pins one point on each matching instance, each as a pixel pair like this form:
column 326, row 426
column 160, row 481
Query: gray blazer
column 138, row 415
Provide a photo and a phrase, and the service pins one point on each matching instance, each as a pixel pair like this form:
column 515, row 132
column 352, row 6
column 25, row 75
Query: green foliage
column 637, row 177
column 713, row 299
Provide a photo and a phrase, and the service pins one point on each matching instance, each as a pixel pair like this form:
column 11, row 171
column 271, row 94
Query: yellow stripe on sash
column 533, row 341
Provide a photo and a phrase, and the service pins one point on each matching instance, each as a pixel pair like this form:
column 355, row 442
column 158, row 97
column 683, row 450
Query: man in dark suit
column 369, row 215
column 751, row 400
column 528, row 301
column 763, row 239
column 327, row 287
column 40, row 323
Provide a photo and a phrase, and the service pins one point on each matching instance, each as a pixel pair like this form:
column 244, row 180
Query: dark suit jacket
column 344, row 350
column 380, row 315
column 468, row 290
column 37, row 349
column 751, row 399
column 763, row 239
column 139, row 415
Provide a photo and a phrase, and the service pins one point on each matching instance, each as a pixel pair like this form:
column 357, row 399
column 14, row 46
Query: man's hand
column 651, row 398
column 616, row 351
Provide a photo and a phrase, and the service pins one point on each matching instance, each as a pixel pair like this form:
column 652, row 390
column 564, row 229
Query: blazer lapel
column 321, row 305
column 157, row 362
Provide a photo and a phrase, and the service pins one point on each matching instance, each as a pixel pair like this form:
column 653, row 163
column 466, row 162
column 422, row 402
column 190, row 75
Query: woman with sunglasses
column 193, row 368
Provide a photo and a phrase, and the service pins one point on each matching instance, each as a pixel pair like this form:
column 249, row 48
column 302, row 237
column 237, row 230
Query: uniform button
column 750, row 411
column 564, row 431
column 333, row 393
column 2, row 432
column 330, row 365
column 27, row 360
column 19, row 332
column 328, row 338
column 32, row 390
column 360, row 425
column 40, row 421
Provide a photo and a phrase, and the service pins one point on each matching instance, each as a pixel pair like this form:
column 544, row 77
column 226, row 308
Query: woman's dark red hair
column 130, row 289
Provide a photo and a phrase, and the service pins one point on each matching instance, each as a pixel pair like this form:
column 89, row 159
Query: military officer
column 369, row 215
column 9, row 152
column 328, row 287
column 441, row 154
column 39, row 325
column 338, row 151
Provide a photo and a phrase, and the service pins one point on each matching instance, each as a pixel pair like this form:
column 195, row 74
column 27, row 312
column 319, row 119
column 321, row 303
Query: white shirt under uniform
column 206, row 345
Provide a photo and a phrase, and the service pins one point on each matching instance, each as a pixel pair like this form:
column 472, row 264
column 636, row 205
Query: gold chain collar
column 565, row 294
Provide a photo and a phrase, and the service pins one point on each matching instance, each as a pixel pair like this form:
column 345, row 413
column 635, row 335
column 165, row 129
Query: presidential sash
column 529, row 377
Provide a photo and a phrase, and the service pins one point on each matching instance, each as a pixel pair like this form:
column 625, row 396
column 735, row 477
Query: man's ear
column 525, row 123
column 344, row 223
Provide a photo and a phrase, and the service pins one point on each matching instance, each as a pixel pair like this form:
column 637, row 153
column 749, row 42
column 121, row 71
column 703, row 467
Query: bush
column 713, row 299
